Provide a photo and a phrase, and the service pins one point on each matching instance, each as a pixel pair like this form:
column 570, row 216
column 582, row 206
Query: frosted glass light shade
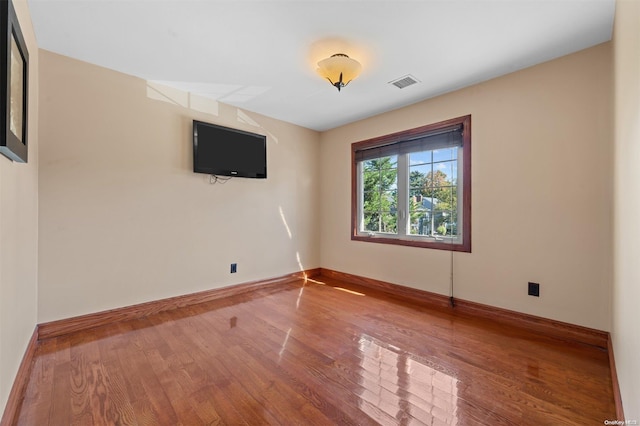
column 339, row 69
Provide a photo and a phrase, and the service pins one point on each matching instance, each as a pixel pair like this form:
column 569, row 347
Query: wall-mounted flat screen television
column 223, row 151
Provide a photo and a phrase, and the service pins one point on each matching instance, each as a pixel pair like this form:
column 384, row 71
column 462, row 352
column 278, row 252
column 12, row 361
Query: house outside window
column 414, row 187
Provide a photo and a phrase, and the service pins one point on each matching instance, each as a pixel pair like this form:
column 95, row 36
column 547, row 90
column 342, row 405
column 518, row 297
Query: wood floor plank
column 61, row 394
column 39, row 391
column 123, row 412
column 315, row 353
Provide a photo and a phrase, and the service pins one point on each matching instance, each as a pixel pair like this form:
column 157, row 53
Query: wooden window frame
column 398, row 137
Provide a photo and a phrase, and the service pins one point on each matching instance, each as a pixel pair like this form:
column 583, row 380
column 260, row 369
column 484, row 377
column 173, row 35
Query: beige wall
column 626, row 288
column 541, row 183
column 123, row 218
column 19, row 232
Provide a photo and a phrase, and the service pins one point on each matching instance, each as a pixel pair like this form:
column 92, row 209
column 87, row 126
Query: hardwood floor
column 320, row 352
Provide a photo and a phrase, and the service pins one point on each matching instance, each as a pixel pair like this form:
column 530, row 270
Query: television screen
column 222, row 151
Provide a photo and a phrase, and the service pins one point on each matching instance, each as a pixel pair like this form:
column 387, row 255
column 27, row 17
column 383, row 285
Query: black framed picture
column 14, row 72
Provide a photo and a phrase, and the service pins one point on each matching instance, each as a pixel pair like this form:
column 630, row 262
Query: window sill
column 413, row 242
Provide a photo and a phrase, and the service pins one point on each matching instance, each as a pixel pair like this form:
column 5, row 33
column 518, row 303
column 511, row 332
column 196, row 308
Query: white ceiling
column 261, row 55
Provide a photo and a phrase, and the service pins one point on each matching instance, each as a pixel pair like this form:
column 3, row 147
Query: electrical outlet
column 234, row 268
column 534, row 289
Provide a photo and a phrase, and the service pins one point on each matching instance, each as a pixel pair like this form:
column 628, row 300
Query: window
column 414, row 187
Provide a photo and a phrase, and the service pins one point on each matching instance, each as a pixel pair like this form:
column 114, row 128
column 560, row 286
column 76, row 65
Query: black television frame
column 225, row 172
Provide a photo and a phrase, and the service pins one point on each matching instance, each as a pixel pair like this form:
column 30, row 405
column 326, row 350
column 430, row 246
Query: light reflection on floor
column 403, row 387
column 349, row 291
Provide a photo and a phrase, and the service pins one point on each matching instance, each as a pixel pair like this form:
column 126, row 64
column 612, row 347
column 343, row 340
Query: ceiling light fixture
column 339, row 69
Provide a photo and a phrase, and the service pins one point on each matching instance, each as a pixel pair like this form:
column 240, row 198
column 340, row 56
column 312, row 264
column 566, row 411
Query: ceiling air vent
column 405, row 81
